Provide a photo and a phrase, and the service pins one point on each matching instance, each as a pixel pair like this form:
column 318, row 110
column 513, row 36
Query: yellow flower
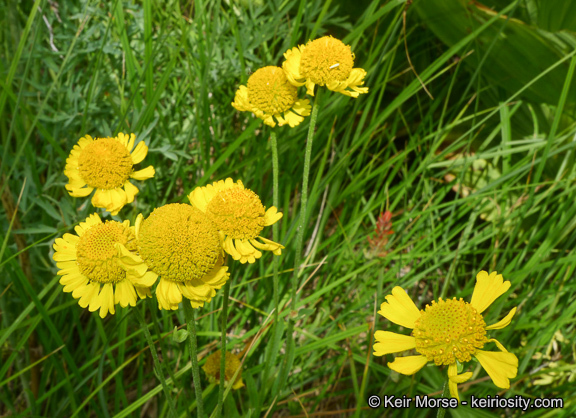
column 239, row 216
column 448, row 332
column 326, row 61
column 269, row 95
column 182, row 246
column 106, row 164
column 99, row 265
column 233, row 363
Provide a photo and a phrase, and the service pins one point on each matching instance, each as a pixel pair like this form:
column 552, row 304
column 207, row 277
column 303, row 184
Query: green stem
column 224, row 323
column 191, row 320
column 304, row 199
column 445, row 394
column 275, row 232
column 157, row 367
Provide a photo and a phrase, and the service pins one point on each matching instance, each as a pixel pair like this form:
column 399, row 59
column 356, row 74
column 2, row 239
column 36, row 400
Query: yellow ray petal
column 130, row 142
column 129, row 260
column 399, row 308
column 302, row 107
column 500, row 366
column 390, row 342
column 291, row 65
column 139, row 152
column 79, row 192
column 131, row 191
column 228, row 246
column 125, row 294
column 145, row 173
column 408, row 365
column 241, row 101
column 488, row 288
column 504, row 322
column 107, row 300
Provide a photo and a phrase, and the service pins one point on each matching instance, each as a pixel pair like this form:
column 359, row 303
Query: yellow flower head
column 182, row 246
column 106, row 164
column 233, row 363
column 269, row 95
column 100, row 267
column 448, row 332
column 239, row 215
column 326, row 61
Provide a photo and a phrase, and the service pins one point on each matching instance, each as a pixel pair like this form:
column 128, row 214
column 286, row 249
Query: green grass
column 482, row 177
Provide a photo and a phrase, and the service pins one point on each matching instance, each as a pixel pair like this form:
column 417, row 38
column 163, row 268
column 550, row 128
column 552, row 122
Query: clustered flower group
column 183, row 247
column 272, row 92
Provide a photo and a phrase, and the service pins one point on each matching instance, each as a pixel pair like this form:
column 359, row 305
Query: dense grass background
column 477, row 169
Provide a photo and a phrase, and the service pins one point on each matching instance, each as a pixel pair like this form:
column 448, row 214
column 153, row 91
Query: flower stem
column 157, row 367
column 224, row 322
column 191, row 320
column 445, row 394
column 275, row 232
column 304, row 199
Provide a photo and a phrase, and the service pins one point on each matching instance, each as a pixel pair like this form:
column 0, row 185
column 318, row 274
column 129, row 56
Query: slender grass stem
column 304, row 199
column 224, row 323
column 191, row 321
column 157, row 367
column 275, row 232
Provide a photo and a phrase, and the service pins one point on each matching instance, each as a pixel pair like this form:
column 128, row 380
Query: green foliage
column 503, row 93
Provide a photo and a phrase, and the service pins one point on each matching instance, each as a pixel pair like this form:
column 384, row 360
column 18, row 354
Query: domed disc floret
column 179, row 243
column 97, row 255
column 238, row 213
column 270, row 91
column 105, row 164
column 326, row 59
column 449, row 330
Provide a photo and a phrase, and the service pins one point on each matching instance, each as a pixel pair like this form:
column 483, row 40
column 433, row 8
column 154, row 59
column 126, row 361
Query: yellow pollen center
column 237, row 212
column 96, row 254
column 179, row 243
column 449, row 330
column 212, row 366
column 105, row 164
column 270, row 91
column 326, row 59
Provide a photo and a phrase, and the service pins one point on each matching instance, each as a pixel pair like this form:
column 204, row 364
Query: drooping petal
column 408, row 365
column 310, row 87
column 399, row 308
column 241, row 101
column 501, row 367
column 79, row 192
column 302, row 107
column 488, row 288
column 130, row 261
column 390, row 342
column 268, row 245
column 292, row 119
column 107, row 300
column 228, row 246
column 504, row 322
column 249, row 253
column 131, row 191
column 291, row 65
column 454, row 378
column 139, row 152
column 125, row 294
column 147, row 280
column 137, row 224
column 145, row 173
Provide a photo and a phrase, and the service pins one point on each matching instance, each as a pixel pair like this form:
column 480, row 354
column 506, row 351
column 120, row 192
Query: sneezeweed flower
column 240, row 216
column 448, row 332
column 180, row 244
column 100, row 267
column 269, row 95
column 233, row 363
column 326, row 61
column 106, row 164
